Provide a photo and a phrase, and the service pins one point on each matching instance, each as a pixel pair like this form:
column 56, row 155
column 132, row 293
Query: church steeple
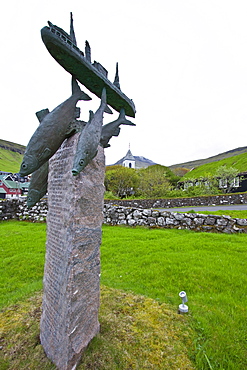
column 129, row 159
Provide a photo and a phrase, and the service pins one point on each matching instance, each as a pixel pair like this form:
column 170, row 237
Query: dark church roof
column 140, row 162
column 129, row 156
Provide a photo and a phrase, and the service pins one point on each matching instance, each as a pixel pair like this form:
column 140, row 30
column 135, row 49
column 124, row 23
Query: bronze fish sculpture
column 39, row 180
column 38, row 185
column 51, row 132
column 89, row 139
column 113, row 129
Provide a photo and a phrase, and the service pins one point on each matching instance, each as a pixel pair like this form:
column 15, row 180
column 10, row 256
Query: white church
column 137, row 162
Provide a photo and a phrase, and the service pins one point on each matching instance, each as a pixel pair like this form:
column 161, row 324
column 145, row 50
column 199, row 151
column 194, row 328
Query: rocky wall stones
column 9, row 209
column 118, row 215
column 222, row 199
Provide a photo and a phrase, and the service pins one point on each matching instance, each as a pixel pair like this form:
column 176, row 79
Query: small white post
column 183, row 308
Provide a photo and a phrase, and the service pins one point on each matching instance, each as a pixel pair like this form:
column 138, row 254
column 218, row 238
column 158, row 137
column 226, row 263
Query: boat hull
column 72, row 60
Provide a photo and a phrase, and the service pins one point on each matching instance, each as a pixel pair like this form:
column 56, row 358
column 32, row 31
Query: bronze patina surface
column 61, row 46
column 51, row 133
column 89, row 139
column 113, row 129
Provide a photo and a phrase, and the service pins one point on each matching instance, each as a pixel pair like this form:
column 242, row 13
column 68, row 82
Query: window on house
column 187, row 185
column 235, row 183
column 223, row 183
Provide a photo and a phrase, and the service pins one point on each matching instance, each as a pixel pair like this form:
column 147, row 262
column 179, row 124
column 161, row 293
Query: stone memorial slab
column 71, row 280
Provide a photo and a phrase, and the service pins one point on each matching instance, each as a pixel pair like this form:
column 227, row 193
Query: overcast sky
column 183, row 62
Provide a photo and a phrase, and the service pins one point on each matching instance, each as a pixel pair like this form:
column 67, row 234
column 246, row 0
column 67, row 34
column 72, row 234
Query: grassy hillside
column 218, row 157
column 238, row 161
column 11, row 155
column 12, row 146
column 10, row 161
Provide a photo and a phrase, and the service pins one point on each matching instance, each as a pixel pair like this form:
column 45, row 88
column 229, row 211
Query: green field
column 142, row 272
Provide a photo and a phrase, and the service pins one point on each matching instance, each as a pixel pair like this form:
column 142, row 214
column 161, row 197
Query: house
column 238, row 185
column 9, row 188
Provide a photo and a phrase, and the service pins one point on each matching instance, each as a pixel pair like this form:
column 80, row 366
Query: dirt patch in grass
column 136, row 333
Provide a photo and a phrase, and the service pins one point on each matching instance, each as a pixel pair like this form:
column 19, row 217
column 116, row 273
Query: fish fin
column 76, row 90
column 122, row 119
column 85, row 96
column 41, row 114
column 116, row 131
column 108, row 110
column 46, row 153
column 91, row 115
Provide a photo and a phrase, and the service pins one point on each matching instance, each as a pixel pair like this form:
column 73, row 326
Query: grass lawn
column 22, row 248
column 142, row 272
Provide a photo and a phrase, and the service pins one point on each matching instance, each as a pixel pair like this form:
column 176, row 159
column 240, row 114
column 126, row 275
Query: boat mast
column 72, row 32
column 116, row 80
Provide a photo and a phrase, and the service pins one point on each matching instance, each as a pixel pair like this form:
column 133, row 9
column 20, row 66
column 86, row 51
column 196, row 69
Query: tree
column 154, row 182
column 121, row 181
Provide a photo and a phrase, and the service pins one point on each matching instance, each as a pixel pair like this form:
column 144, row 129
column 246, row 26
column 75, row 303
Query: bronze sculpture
column 61, row 123
column 89, row 138
column 63, row 146
column 113, row 129
column 64, row 50
column 51, row 132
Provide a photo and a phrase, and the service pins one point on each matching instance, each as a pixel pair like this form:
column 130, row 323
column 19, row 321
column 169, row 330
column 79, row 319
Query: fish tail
column 122, row 119
column 103, row 96
column 77, row 91
column 108, row 110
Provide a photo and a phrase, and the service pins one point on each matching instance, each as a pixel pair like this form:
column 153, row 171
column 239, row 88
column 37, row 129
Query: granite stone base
column 71, row 278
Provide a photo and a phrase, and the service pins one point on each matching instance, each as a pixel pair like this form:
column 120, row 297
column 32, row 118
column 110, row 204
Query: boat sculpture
column 93, row 76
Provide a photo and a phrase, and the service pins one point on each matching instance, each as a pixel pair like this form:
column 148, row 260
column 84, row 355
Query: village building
column 129, row 160
column 136, row 162
column 238, row 185
column 12, row 187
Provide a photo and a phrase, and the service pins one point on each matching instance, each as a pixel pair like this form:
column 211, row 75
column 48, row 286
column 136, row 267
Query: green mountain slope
column 238, row 161
column 215, row 158
column 11, row 155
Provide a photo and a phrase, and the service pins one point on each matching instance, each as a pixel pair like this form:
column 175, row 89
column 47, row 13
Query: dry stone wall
column 134, row 216
column 222, row 199
column 17, row 209
column 118, row 215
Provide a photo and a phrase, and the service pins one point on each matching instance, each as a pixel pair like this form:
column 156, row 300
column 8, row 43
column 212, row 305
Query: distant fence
column 115, row 214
